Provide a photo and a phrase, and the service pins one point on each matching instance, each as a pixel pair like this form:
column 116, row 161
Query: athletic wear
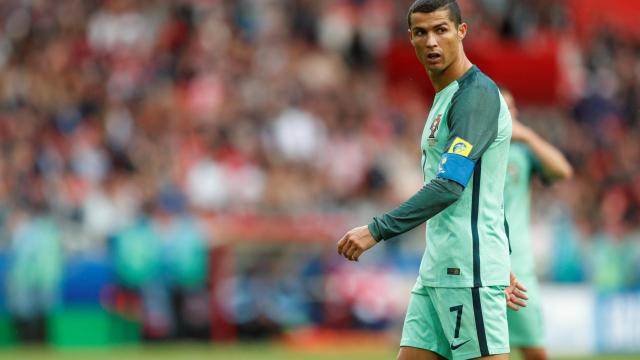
column 465, row 148
column 458, row 307
column 525, row 325
column 523, row 165
column 457, row 323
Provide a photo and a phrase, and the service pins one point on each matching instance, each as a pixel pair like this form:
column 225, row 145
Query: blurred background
column 181, row 170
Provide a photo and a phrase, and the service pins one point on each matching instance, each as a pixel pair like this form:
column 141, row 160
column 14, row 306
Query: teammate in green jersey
column 529, row 155
column 457, row 307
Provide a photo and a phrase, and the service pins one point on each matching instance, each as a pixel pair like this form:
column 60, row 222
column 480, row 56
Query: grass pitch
column 227, row 352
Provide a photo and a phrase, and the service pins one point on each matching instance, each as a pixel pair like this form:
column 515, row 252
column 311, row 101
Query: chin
column 439, row 67
column 436, row 68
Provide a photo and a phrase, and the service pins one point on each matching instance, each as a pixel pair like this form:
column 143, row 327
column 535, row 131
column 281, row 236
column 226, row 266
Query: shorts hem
column 423, row 347
column 476, row 354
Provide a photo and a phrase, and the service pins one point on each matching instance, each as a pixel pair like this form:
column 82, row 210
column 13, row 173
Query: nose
column 431, row 41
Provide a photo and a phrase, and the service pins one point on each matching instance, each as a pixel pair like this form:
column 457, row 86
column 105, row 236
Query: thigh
column 530, row 353
column 494, row 357
column 422, row 333
column 474, row 320
column 411, row 353
column 525, row 326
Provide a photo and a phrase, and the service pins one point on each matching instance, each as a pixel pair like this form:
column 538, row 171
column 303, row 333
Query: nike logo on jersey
column 455, row 347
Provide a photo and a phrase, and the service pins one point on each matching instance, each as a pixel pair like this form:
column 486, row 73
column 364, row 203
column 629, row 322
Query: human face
column 436, row 39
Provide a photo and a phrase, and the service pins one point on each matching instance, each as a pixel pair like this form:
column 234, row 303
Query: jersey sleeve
column 473, row 126
column 434, row 197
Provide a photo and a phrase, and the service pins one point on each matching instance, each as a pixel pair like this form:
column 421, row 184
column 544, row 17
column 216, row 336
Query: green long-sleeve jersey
column 465, row 147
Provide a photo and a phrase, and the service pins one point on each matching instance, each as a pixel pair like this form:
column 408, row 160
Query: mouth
column 433, row 57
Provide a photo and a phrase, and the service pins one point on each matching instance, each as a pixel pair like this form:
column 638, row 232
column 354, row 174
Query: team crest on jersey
column 434, row 127
column 460, row 147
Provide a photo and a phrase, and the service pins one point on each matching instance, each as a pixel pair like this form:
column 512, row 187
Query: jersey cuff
column 456, row 168
column 375, row 232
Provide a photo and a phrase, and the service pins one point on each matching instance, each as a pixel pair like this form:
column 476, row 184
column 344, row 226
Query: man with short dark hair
column 457, row 307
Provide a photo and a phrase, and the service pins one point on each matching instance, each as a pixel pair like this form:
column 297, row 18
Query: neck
column 442, row 79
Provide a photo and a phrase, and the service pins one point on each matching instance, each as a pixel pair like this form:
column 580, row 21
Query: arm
column 473, row 126
column 426, row 203
column 554, row 166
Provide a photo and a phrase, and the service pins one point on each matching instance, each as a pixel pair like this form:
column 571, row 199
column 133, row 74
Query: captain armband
column 455, row 164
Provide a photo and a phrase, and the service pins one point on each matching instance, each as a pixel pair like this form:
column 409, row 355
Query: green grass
column 227, row 352
column 195, row 352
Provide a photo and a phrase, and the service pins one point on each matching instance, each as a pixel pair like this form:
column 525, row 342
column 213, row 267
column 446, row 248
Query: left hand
column 515, row 294
column 355, row 242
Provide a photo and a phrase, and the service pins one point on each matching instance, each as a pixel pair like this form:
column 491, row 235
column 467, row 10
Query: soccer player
column 457, row 306
column 529, row 155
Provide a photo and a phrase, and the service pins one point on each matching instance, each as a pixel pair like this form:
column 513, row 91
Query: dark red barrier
column 530, row 70
column 590, row 17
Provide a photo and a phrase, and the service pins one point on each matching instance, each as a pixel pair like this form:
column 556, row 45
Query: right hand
column 355, row 242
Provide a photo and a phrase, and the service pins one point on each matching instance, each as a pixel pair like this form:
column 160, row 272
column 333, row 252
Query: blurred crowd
column 600, row 137
column 123, row 121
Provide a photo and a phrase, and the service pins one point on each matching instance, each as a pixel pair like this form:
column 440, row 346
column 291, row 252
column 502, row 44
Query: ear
column 410, row 36
column 462, row 31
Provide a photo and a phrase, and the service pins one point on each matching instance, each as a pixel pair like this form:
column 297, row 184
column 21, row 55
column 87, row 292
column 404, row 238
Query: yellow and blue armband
column 455, row 164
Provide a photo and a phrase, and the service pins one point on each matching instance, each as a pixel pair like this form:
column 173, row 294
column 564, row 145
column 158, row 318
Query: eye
column 441, row 30
column 418, row 32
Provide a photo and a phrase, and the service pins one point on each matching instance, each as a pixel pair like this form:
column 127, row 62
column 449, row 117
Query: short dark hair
column 428, row 6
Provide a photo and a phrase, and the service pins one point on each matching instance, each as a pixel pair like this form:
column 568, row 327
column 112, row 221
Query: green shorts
column 457, row 323
column 525, row 326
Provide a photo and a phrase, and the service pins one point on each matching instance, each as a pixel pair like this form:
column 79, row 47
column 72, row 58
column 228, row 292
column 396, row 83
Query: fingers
column 357, row 253
column 348, row 248
column 355, row 242
column 515, row 296
column 519, row 290
column 513, row 306
column 519, row 286
column 353, row 252
column 517, row 301
column 341, row 244
column 514, row 283
column 519, row 294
